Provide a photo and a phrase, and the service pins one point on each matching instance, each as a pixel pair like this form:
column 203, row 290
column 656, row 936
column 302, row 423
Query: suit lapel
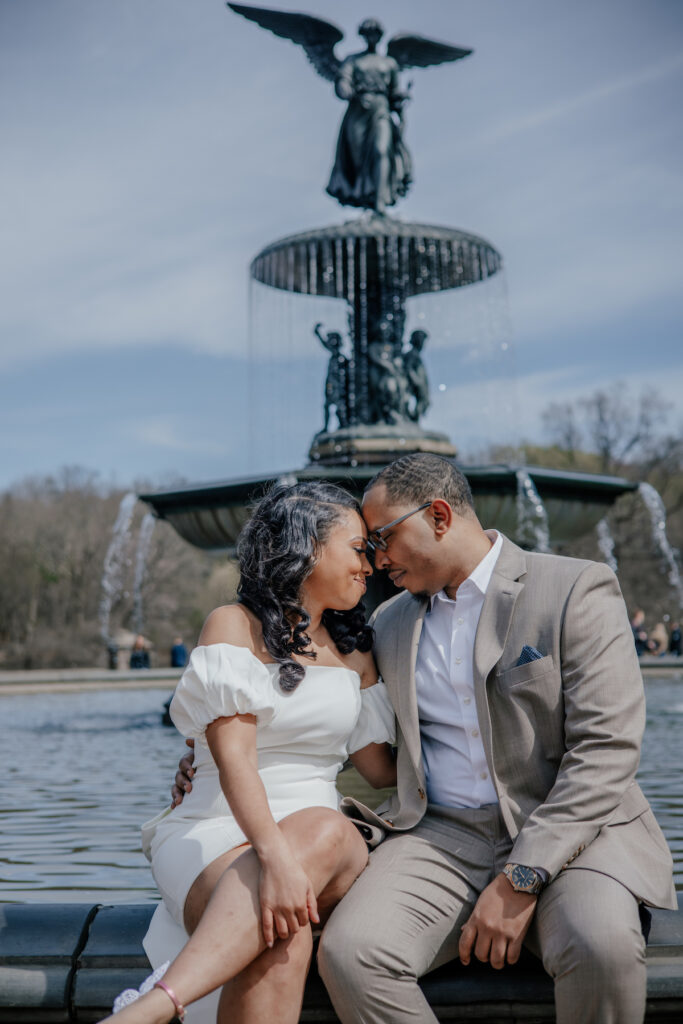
column 410, row 628
column 494, row 624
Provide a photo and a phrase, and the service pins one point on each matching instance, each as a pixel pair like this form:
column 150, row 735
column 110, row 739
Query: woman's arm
column 286, row 893
column 376, row 762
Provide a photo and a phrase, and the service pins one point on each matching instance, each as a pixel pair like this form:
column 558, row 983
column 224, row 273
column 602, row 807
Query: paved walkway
column 68, row 680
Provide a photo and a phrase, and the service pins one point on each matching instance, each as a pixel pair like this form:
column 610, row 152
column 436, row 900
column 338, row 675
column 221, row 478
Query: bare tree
column 621, row 428
column 560, row 424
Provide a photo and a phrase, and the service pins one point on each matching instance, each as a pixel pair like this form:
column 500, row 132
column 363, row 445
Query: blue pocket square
column 528, row 654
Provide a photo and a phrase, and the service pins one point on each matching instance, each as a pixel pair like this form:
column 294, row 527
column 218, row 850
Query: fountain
column 115, row 563
column 376, row 390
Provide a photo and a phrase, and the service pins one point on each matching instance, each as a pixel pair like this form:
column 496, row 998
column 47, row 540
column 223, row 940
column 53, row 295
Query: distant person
column 640, row 637
column 112, row 655
column 675, row 640
column 659, row 640
column 178, row 653
column 139, row 656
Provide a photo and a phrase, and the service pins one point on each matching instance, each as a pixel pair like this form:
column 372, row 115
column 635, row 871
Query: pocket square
column 528, row 654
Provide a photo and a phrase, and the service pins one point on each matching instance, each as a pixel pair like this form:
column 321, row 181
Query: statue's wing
column 418, row 52
column 317, row 37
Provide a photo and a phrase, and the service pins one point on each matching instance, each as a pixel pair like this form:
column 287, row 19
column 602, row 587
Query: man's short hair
column 414, row 479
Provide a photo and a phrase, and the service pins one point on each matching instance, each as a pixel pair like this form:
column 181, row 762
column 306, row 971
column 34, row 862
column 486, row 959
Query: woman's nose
column 366, row 565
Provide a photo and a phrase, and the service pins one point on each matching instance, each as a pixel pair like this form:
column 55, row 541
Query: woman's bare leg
column 271, row 987
column 228, row 936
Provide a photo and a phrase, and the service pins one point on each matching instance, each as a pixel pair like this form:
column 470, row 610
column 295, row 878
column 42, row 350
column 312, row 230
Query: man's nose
column 381, row 559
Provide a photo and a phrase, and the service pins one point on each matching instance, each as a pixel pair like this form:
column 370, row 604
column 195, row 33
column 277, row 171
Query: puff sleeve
column 221, row 680
column 376, row 722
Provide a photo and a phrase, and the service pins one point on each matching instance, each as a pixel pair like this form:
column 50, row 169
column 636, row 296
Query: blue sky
column 152, row 147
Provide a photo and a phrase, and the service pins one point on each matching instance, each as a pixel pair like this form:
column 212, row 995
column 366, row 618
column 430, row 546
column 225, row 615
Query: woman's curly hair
column 277, row 551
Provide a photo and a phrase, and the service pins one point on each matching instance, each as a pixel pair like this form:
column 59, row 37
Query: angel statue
column 372, row 167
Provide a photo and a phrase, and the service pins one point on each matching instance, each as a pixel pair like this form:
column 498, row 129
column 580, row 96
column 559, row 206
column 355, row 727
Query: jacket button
column 389, row 821
column 421, row 792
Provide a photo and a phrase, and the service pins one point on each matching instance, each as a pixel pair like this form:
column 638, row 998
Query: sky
column 152, row 147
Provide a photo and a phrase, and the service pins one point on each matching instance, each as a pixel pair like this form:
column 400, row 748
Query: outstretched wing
column 317, row 37
column 418, row 52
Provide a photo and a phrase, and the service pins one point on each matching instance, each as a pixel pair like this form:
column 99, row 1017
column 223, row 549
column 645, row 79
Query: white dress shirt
column 452, row 750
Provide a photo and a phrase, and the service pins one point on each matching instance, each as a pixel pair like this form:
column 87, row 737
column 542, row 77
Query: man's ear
column 442, row 514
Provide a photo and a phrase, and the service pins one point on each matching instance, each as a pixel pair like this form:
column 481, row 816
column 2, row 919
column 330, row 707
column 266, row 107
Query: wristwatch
column 524, row 879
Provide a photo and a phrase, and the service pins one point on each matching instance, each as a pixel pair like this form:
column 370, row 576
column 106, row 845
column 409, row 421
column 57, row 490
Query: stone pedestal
column 376, row 444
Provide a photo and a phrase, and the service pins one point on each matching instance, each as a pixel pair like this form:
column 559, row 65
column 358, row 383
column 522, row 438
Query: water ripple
column 85, row 769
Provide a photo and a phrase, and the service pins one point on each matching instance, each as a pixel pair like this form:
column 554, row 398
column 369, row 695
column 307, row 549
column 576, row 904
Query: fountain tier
column 375, row 264
column 211, row 516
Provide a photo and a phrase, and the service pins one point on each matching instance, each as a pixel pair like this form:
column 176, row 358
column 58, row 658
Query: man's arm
column 184, row 776
column 604, row 711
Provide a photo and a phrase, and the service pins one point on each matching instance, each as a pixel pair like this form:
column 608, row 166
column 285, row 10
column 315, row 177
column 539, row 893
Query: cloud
column 516, row 125
column 172, row 433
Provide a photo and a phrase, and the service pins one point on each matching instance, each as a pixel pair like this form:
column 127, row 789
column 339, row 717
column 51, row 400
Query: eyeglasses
column 375, row 538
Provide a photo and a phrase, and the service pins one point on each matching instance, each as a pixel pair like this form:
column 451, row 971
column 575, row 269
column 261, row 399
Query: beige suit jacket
column 562, row 734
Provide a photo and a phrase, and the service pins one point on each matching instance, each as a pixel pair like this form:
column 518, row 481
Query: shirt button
column 475, row 733
column 460, row 622
column 458, row 660
column 467, row 700
column 484, row 775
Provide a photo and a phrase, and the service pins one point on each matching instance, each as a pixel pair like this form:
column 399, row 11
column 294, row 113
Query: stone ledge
column 66, row 962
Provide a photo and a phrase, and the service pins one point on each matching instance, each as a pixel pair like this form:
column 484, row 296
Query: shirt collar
column 480, row 577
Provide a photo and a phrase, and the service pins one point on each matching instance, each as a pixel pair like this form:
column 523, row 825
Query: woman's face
column 338, row 577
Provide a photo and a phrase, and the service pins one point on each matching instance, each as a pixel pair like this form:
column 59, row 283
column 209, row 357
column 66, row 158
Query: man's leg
column 587, row 932
column 401, row 918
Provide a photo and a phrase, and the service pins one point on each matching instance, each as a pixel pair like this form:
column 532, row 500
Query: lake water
column 82, row 770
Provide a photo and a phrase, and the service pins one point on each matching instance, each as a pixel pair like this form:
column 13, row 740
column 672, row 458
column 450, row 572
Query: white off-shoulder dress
column 303, row 738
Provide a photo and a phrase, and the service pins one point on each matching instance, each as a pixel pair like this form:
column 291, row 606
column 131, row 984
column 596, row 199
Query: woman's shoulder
column 232, row 624
column 363, row 663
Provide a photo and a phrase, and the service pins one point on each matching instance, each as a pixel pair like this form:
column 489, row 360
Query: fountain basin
column 211, row 515
column 413, row 258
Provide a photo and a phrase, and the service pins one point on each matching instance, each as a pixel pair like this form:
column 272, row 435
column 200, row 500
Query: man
column 520, row 712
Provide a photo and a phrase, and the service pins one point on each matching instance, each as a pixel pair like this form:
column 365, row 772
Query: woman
column 280, row 689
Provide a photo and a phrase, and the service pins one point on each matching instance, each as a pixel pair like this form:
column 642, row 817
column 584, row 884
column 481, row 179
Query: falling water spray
column 114, row 562
column 144, row 541
column 655, row 507
column 532, row 518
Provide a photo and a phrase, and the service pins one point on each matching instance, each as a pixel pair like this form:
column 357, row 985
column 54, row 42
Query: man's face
column 413, row 558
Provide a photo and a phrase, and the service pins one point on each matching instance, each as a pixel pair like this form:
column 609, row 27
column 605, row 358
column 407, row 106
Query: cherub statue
column 337, row 380
column 372, row 167
column 417, row 375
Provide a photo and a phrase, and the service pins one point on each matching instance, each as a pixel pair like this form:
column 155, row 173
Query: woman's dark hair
column 277, row 551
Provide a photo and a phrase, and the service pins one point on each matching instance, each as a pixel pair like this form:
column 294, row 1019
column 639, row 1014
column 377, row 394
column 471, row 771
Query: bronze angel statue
column 372, row 167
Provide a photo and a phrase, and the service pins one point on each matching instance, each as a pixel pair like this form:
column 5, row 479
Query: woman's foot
column 153, row 1008
column 150, row 1004
column 131, row 995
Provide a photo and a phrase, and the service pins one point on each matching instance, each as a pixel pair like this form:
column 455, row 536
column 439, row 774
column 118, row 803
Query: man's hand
column 183, row 777
column 496, row 927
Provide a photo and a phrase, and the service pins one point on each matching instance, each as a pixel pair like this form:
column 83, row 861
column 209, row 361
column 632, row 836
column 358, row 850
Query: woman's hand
column 287, row 898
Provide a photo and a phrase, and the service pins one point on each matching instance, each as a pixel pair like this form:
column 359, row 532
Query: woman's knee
column 331, row 839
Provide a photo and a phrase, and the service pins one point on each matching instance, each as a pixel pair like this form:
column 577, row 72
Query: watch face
column 523, row 878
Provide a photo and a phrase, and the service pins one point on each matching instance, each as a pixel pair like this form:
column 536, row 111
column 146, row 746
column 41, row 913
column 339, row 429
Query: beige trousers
column 403, row 916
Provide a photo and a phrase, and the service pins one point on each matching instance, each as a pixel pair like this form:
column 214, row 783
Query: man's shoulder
column 561, row 573
column 390, row 610
column 536, row 567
